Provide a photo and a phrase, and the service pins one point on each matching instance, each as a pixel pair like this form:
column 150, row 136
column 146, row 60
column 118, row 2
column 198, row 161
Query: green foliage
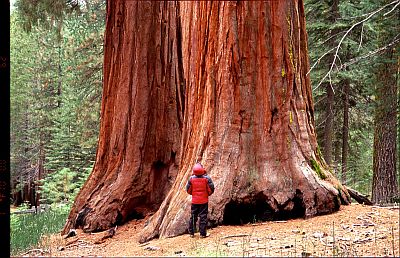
column 44, row 13
column 56, row 78
column 361, row 152
column 27, row 230
column 326, row 28
column 33, row 99
column 63, row 185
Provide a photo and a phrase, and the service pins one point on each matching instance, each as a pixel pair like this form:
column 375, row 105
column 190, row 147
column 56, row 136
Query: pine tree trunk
column 338, row 160
column 330, row 95
column 385, row 187
column 329, row 128
column 384, row 183
column 221, row 83
column 345, row 129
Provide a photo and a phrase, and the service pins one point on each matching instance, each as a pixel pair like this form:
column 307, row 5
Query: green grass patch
column 318, row 169
column 28, row 229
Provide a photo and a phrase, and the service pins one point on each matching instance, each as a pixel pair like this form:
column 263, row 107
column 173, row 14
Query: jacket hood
column 198, row 170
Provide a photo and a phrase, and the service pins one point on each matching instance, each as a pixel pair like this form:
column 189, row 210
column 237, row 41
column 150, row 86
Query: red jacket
column 200, row 186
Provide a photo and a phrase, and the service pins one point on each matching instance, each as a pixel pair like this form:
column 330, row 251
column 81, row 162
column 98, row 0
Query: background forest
column 56, row 84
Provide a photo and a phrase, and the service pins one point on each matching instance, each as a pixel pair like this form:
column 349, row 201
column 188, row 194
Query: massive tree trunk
column 141, row 116
column 240, row 69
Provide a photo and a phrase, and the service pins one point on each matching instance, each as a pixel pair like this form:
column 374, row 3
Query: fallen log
column 239, row 235
column 41, row 251
column 31, row 211
column 387, row 207
column 107, row 234
column 360, row 198
column 71, row 242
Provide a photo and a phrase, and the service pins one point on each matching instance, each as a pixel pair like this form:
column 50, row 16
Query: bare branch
column 361, row 37
column 394, row 7
column 334, row 113
column 319, row 59
column 336, row 56
column 371, row 53
column 329, row 38
column 318, row 101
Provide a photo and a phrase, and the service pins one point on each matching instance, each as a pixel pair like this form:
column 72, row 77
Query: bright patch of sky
column 12, row 2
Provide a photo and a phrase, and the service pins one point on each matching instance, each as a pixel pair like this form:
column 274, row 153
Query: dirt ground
column 354, row 230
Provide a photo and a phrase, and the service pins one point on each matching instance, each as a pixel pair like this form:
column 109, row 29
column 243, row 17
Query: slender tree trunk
column 398, row 118
column 345, row 129
column 329, row 128
column 59, row 79
column 24, row 166
column 40, row 176
column 227, row 88
column 25, row 192
column 338, row 160
column 330, row 98
column 17, row 196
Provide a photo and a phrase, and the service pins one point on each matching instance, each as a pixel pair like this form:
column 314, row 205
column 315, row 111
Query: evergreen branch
column 334, row 114
column 318, row 101
column 329, row 38
column 371, row 53
column 371, row 14
column 396, row 3
column 319, row 59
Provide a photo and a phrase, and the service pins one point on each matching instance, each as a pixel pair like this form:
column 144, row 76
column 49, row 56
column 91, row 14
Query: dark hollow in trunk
column 257, row 210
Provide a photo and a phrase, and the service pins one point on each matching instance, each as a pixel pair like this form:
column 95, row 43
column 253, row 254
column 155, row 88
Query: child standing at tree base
column 200, row 186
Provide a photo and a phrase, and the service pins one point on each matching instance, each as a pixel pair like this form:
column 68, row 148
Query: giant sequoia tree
column 221, row 83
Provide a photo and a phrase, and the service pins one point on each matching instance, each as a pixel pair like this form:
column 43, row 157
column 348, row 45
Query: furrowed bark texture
column 222, row 83
column 345, row 130
column 385, row 188
column 141, row 116
column 249, row 115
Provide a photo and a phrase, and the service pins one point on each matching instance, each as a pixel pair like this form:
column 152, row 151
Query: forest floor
column 355, row 230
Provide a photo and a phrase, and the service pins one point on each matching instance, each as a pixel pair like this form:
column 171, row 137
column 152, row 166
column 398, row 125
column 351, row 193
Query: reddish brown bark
column 249, row 117
column 141, row 117
column 239, row 102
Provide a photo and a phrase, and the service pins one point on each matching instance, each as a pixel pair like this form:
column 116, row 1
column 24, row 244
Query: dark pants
column 199, row 210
